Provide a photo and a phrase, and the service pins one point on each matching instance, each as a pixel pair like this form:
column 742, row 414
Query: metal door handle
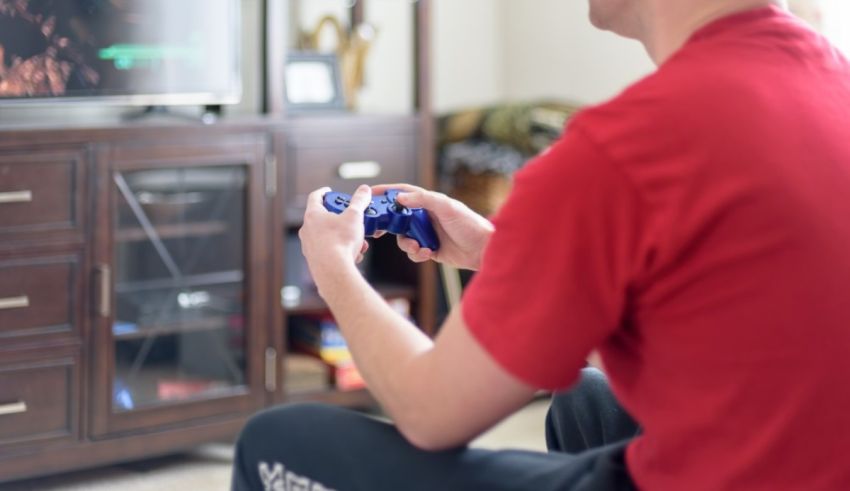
column 13, row 408
column 271, row 369
column 14, row 302
column 16, row 197
column 104, row 299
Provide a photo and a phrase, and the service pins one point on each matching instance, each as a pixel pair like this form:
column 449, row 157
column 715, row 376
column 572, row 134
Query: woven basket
column 484, row 192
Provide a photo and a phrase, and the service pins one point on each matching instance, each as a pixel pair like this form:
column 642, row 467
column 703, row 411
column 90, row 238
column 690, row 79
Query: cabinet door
column 179, row 268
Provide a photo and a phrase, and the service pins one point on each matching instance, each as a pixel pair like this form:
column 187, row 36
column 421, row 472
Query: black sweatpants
column 312, row 447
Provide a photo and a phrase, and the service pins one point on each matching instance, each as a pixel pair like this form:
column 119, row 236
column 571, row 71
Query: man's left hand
column 330, row 241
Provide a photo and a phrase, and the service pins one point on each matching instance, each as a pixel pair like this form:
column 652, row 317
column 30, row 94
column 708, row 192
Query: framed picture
column 312, row 82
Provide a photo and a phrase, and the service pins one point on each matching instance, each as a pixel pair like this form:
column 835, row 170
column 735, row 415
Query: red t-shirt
column 696, row 229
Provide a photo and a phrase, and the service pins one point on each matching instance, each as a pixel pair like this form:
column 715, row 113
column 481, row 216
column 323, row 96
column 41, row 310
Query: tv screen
column 145, row 52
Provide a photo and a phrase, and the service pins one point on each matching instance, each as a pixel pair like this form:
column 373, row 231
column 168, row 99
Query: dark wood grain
column 319, row 146
column 426, row 305
column 51, row 289
column 277, row 320
column 360, row 399
column 53, row 178
column 49, row 386
column 20, row 463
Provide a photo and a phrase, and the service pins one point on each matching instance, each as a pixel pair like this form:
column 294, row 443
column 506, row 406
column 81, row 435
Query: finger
column 425, row 254
column 421, row 256
column 360, row 200
column 379, row 233
column 407, row 245
column 315, row 200
column 424, row 199
column 364, row 247
column 383, row 188
column 359, row 259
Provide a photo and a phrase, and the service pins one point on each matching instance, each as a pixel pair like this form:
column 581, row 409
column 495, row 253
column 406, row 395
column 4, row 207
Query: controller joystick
column 386, row 214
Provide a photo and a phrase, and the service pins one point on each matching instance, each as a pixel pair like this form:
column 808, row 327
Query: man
column 694, row 230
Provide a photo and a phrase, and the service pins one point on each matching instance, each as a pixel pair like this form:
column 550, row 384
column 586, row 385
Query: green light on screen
column 129, row 56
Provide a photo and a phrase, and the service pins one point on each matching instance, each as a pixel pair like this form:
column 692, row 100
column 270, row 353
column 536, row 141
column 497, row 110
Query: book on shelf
column 319, row 337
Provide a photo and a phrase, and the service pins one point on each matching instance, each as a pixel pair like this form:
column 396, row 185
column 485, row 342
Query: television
column 134, row 52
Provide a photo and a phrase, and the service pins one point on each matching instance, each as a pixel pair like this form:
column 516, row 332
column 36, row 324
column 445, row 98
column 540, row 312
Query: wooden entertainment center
column 141, row 267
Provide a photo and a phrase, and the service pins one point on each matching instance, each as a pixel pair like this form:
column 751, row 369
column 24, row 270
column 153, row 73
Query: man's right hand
column 463, row 233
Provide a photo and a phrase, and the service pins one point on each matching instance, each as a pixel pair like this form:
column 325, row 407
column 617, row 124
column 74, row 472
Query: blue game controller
column 385, row 214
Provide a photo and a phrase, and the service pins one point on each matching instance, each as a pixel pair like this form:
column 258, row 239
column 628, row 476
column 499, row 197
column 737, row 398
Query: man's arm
column 440, row 394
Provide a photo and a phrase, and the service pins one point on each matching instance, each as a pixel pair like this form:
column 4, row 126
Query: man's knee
column 283, row 443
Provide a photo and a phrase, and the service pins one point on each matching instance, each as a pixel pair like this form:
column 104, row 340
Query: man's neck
column 671, row 23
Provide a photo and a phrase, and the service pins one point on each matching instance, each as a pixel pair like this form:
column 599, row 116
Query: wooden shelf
column 360, row 398
column 208, row 324
column 190, row 281
column 175, row 231
column 311, row 303
column 143, row 384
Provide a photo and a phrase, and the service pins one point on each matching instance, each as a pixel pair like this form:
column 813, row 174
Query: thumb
column 360, row 200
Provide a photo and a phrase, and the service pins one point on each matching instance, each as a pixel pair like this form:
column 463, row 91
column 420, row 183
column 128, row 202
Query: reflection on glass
column 179, row 263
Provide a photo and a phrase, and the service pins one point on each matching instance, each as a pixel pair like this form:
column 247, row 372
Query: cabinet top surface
column 16, row 133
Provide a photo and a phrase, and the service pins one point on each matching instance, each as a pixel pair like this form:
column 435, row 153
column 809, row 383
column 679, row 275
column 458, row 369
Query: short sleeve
column 553, row 279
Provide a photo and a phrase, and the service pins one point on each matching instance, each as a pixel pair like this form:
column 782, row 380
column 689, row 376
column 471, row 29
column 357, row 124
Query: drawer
column 36, row 401
column 344, row 162
column 40, row 192
column 39, row 296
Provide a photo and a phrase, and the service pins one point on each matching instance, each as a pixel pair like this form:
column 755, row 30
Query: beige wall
column 390, row 91
column 468, row 53
column 554, row 52
column 488, row 51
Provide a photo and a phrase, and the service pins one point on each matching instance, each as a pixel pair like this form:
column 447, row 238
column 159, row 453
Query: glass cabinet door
column 179, row 263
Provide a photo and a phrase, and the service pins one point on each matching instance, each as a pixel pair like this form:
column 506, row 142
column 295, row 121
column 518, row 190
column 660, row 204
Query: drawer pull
column 13, row 408
column 16, row 197
column 367, row 169
column 104, row 299
column 14, row 302
column 271, row 369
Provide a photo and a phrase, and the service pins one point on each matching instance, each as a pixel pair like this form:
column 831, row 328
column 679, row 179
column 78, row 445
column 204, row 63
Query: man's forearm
column 385, row 345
